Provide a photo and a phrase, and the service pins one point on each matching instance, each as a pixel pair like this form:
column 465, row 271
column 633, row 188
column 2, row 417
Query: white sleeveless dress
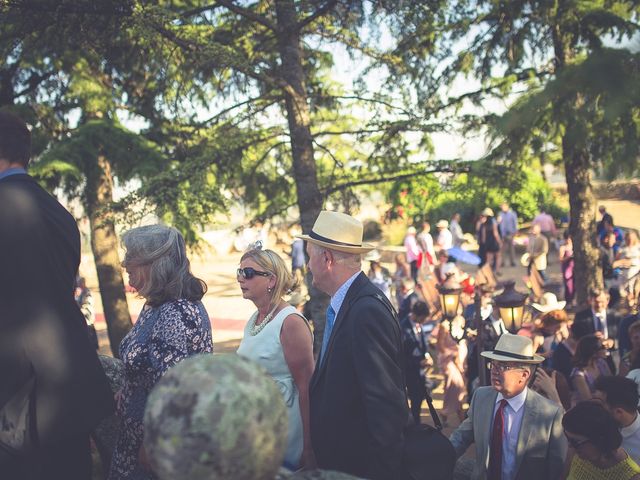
column 265, row 349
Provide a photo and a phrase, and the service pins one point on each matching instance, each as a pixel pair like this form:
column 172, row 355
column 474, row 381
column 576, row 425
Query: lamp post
column 450, row 300
column 511, row 306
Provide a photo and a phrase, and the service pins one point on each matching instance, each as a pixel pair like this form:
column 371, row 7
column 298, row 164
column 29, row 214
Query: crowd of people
column 561, row 399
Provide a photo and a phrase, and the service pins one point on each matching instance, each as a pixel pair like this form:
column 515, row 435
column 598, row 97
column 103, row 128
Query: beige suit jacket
column 541, row 448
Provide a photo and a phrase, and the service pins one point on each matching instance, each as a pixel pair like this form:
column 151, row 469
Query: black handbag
column 427, row 453
column 16, row 417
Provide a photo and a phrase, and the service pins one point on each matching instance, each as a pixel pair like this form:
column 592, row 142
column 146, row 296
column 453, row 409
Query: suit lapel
column 484, row 423
column 527, row 427
column 352, row 294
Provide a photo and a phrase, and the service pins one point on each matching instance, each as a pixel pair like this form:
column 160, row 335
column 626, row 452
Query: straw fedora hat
column 442, row 224
column 338, row 231
column 487, row 212
column 513, row 348
column 548, row 303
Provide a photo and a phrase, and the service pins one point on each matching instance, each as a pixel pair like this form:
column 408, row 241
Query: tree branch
column 248, row 14
column 394, row 178
column 323, row 10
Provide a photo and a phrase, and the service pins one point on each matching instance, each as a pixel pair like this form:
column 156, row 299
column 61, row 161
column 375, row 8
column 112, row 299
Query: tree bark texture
column 104, row 244
column 587, row 273
column 298, row 117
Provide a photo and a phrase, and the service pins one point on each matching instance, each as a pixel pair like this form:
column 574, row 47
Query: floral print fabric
column 161, row 337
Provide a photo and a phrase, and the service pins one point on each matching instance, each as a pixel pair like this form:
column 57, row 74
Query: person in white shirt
column 517, row 432
column 445, row 239
column 413, row 251
column 619, row 396
column 456, row 230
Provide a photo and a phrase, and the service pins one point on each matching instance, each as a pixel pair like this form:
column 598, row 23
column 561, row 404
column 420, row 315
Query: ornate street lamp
column 511, row 306
column 450, row 292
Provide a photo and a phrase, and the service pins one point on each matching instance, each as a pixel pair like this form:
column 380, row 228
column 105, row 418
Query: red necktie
column 495, row 454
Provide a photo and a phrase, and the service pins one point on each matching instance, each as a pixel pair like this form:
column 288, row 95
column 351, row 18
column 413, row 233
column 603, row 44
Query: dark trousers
column 66, row 460
column 414, row 270
column 417, row 392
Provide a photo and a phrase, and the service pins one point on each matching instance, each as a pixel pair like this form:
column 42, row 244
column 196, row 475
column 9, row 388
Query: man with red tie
column 518, row 433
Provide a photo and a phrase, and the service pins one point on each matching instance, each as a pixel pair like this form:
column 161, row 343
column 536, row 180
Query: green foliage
column 430, row 198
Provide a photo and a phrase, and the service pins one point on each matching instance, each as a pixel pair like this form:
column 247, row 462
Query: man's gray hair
column 163, row 250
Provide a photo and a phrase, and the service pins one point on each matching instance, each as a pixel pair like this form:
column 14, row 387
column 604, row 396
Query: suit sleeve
column 376, row 349
column 462, row 437
column 557, row 447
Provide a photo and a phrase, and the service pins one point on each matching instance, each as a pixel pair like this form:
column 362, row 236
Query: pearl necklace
column 253, row 330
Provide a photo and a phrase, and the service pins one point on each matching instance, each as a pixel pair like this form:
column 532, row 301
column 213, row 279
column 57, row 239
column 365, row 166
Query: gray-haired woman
column 172, row 326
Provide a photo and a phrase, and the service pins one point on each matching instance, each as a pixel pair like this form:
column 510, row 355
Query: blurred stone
column 214, row 418
column 106, row 433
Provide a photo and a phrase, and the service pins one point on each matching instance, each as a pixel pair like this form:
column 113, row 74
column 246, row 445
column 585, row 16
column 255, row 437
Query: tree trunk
column 587, row 273
column 304, row 166
column 104, row 244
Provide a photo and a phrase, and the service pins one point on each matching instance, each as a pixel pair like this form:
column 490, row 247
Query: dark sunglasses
column 249, row 272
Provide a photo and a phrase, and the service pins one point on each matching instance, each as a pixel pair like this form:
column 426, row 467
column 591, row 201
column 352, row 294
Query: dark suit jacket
column 41, row 326
column 358, row 403
column 583, row 324
column 414, row 347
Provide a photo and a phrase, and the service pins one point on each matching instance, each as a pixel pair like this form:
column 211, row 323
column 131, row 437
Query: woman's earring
column 269, row 289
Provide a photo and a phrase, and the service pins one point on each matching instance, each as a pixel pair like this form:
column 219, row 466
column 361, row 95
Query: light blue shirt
column 341, row 293
column 12, row 171
column 513, row 414
column 508, row 223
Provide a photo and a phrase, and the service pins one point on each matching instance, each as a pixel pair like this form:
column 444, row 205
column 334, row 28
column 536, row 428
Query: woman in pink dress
column 451, row 355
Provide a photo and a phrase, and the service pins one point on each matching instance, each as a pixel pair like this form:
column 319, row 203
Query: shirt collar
column 341, row 293
column 631, row 429
column 12, row 171
column 515, row 402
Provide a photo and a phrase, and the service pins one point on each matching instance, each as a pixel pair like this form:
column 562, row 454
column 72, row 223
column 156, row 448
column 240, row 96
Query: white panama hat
column 338, row 231
column 513, row 348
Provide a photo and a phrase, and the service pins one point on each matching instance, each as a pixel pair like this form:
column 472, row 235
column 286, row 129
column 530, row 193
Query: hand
column 119, row 398
column 143, row 458
column 608, row 343
column 545, row 384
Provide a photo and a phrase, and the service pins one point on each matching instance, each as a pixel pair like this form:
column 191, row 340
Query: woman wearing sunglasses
column 279, row 338
column 172, row 326
column 589, row 363
column 595, row 451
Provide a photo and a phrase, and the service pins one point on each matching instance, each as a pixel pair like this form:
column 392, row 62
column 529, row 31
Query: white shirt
column 513, row 413
column 603, row 319
column 445, row 239
column 631, row 439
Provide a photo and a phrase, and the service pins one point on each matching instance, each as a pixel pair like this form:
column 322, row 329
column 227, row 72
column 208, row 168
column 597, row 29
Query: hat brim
column 502, row 358
column 364, row 248
column 549, row 308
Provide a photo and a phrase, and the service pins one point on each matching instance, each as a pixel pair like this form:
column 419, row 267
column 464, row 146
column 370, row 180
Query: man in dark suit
column 357, row 393
column 42, row 331
column 415, row 339
column 596, row 319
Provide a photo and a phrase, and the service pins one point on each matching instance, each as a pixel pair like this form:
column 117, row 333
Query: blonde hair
column 271, row 262
column 163, row 250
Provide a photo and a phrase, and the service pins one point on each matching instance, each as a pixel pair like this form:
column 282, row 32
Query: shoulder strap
column 432, row 410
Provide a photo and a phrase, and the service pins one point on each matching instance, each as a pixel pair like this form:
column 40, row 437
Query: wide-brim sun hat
column 513, row 348
column 338, row 231
column 487, row 212
column 442, row 224
column 548, row 303
column 373, row 256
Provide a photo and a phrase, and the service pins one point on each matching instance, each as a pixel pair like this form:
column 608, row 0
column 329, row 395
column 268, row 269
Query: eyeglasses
column 248, row 273
column 575, row 443
column 502, row 367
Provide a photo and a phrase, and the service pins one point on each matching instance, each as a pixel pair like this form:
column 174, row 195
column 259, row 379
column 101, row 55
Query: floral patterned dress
column 162, row 336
